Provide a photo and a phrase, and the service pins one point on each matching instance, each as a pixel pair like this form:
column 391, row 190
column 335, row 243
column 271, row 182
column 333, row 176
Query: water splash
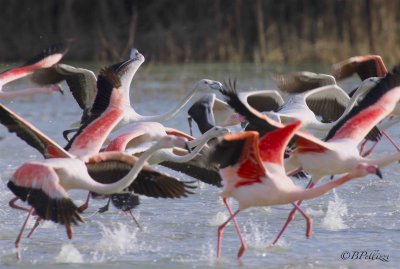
column 119, row 238
column 219, row 218
column 69, row 254
column 333, row 219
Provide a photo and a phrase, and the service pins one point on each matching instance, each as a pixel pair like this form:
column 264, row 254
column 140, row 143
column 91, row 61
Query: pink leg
column 85, row 205
column 222, row 227
column 134, row 219
column 391, row 140
column 18, row 240
column 13, row 205
column 373, row 146
column 308, row 220
column 37, row 222
column 291, row 215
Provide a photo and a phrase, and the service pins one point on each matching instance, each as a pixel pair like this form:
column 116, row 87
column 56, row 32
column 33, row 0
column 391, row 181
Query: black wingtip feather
column 226, row 153
column 62, row 211
column 61, row 47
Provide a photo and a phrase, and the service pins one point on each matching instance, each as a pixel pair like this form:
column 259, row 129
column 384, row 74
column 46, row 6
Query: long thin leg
column 390, row 140
column 18, row 240
column 12, row 204
column 134, row 219
column 106, row 207
column 190, row 119
column 368, row 152
column 308, row 220
column 291, row 215
column 85, row 205
column 222, row 227
column 37, row 222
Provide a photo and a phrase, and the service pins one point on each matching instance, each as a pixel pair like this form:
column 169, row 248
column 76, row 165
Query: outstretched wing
column 262, row 100
column 299, row 82
column 81, row 82
column 149, row 182
column 44, row 59
column 39, row 185
column 239, row 150
column 31, row 135
column 365, row 66
column 329, row 102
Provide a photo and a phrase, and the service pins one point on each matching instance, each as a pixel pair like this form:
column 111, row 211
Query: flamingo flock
column 251, row 145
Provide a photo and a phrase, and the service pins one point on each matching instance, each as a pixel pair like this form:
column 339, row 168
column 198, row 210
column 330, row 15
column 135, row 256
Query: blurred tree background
column 174, row 31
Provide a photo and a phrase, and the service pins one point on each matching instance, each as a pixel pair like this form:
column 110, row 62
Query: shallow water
column 361, row 215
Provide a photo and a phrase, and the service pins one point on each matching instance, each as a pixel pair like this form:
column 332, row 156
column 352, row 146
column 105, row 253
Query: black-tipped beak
column 60, row 89
column 187, row 147
column 216, row 86
column 379, row 173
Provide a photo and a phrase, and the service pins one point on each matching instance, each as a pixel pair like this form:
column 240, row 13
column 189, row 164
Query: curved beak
column 187, row 147
column 216, row 86
column 379, row 173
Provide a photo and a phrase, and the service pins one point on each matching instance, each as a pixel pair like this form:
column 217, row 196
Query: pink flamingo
column 339, row 153
column 45, row 59
column 254, row 175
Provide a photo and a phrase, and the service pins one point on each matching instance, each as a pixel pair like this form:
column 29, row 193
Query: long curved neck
column 170, row 156
column 305, row 194
column 352, row 102
column 202, row 140
column 127, row 180
column 189, row 99
column 385, row 161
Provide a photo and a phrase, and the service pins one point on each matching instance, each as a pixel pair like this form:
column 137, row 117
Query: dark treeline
column 288, row 31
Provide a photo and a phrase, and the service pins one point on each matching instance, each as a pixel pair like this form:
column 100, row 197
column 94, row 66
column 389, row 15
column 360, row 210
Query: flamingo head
column 217, row 131
column 171, row 141
column 205, row 85
column 364, row 169
column 127, row 68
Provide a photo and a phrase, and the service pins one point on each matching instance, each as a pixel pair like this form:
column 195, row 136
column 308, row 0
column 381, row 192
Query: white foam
column 69, row 254
column 119, row 238
column 218, row 218
column 333, row 219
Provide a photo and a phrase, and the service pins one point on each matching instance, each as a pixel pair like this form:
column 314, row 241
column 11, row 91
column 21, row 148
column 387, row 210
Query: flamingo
column 253, row 174
column 45, row 59
column 338, row 154
column 367, row 67
column 44, row 184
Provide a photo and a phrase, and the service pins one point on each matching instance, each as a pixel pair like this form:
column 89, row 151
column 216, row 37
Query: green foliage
column 289, row 31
